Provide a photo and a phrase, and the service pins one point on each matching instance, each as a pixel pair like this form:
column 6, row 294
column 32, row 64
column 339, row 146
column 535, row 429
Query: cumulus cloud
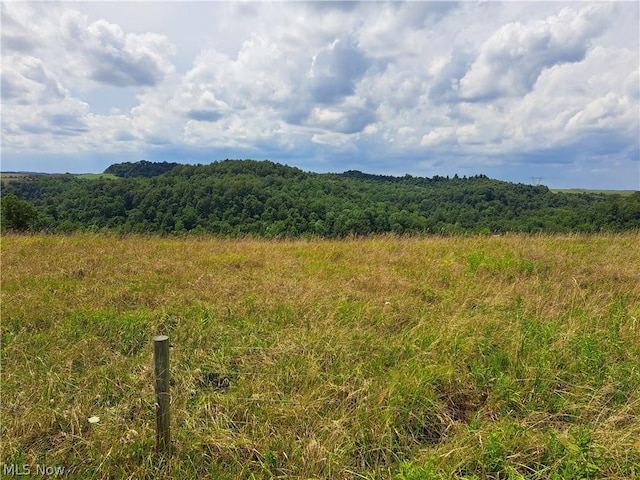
column 17, row 35
column 575, row 104
column 51, row 57
column 26, row 80
column 276, row 88
column 112, row 57
column 341, row 119
column 426, row 85
column 575, row 112
column 65, row 118
column 399, row 28
column 335, row 70
column 205, row 107
column 572, row 101
column 446, row 73
column 511, row 60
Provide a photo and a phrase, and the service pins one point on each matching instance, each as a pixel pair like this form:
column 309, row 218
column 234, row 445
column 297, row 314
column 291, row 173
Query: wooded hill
column 262, row 198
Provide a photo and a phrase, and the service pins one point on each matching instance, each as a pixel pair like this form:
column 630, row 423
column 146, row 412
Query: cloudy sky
column 522, row 91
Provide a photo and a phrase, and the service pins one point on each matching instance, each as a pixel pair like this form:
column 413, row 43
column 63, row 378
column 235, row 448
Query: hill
column 262, row 198
column 143, row 168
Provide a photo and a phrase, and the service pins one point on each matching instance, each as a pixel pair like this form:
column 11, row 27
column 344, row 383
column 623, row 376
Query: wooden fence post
column 163, row 399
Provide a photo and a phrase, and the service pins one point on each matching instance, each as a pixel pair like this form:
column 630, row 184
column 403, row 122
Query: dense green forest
column 143, row 168
column 262, row 198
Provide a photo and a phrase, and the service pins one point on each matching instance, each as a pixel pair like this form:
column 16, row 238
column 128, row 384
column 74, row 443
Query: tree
column 245, row 197
column 17, row 214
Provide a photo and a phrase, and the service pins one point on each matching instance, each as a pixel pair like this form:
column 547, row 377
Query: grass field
column 12, row 176
column 624, row 193
column 97, row 176
column 408, row 358
column 6, row 177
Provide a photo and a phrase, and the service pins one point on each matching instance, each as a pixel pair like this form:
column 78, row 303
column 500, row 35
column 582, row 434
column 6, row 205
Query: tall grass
column 472, row 357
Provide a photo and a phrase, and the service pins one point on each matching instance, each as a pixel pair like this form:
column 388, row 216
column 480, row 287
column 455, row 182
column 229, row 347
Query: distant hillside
column 143, row 168
column 262, row 198
column 584, row 190
column 10, row 176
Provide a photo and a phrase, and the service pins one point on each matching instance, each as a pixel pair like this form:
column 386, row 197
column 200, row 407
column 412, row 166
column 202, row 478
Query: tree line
column 266, row 199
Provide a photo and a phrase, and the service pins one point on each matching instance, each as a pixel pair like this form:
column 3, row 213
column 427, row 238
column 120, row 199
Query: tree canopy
column 16, row 214
column 143, row 168
column 263, row 198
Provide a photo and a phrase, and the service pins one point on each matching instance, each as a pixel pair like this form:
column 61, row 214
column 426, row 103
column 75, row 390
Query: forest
column 267, row 199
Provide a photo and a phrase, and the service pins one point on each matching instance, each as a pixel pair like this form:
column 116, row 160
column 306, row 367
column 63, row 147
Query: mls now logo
column 24, row 470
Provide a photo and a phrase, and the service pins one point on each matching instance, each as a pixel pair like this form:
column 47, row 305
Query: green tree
column 17, row 214
column 246, row 197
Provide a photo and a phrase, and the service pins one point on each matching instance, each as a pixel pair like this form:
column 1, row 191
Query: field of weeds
column 406, row 358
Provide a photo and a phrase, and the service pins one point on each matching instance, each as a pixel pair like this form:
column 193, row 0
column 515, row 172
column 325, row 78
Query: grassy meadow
column 388, row 357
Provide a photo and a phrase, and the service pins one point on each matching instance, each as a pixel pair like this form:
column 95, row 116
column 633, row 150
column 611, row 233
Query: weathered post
column 163, row 399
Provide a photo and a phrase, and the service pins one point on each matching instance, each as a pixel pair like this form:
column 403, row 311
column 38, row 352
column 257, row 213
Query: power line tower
column 536, row 180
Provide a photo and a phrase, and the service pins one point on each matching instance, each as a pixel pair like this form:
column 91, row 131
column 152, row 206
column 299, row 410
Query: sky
column 531, row 92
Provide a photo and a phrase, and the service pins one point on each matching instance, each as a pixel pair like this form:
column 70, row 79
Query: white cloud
column 571, row 100
column 400, row 85
column 26, row 80
column 334, row 71
column 107, row 55
column 511, row 60
column 17, row 33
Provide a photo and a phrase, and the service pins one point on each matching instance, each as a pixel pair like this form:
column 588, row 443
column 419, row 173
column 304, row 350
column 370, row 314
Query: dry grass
column 509, row 357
